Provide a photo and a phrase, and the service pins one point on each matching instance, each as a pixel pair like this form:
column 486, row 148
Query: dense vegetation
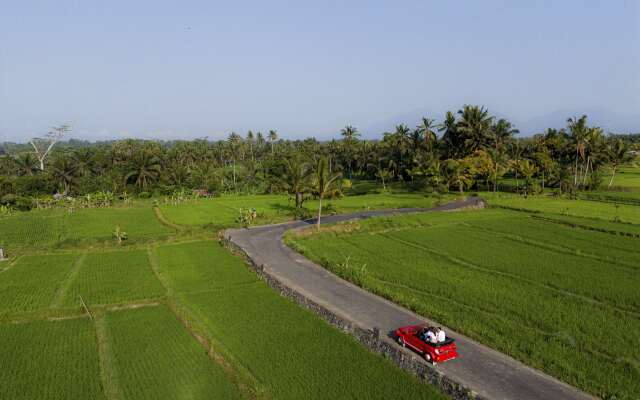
column 549, row 289
column 468, row 149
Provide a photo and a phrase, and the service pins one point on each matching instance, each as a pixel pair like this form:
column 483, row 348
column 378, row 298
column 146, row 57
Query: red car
column 411, row 336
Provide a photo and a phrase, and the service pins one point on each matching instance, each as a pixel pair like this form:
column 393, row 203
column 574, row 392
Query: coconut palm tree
column 578, row 130
column 295, row 177
column 475, row 127
column 272, row 137
column 26, row 163
column 63, row 171
column 144, row 168
column 619, row 154
column 457, row 174
column 426, row 130
column 323, row 182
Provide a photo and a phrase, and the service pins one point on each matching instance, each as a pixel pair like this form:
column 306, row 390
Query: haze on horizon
column 162, row 69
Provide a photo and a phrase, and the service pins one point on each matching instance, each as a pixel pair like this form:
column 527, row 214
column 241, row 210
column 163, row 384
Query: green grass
column 156, row 358
column 47, row 229
column 223, row 211
column 33, row 282
column 185, row 262
column 48, row 360
column 98, row 224
column 31, row 229
column 562, row 299
column 112, row 278
column 568, row 207
column 289, row 350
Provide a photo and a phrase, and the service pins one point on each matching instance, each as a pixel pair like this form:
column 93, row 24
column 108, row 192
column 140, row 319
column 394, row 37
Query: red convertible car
column 411, row 336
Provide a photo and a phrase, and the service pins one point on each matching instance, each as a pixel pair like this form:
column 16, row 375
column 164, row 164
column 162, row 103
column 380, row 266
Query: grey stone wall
column 370, row 339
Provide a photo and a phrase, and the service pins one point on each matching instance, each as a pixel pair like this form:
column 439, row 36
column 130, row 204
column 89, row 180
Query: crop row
column 48, row 360
column 155, row 357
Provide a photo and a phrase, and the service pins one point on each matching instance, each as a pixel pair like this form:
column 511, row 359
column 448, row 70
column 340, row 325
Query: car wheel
column 401, row 341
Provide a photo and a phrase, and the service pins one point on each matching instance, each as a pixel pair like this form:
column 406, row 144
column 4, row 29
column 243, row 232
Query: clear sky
column 170, row 69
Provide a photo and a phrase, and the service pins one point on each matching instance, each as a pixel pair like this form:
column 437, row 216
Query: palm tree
column 323, row 182
column 350, row 138
column 272, row 137
column 296, row 177
column 83, row 160
column 450, row 134
column 144, row 167
column 350, row 133
column 475, row 127
column 26, row 163
column 250, row 139
column 578, row 130
column 619, row 154
column 426, row 130
column 457, row 174
column 63, row 172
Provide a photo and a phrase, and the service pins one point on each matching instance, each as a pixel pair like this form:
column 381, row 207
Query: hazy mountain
column 609, row 120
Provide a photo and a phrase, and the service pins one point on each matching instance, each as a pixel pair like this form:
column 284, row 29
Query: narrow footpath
column 487, row 372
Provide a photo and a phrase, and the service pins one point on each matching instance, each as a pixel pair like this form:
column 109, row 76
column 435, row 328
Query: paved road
column 489, row 373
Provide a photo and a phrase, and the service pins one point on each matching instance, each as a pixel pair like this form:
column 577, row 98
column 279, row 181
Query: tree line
column 467, row 150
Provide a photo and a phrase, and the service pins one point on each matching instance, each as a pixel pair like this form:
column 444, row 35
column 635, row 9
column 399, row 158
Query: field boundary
column 66, row 284
column 108, row 372
column 164, row 221
column 370, row 339
column 246, row 382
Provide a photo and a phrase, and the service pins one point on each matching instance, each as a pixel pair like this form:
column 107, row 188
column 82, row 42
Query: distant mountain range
column 608, row 120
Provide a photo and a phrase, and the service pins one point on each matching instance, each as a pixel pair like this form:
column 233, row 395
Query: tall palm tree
column 350, row 133
column 296, row 177
column 350, row 136
column 323, row 182
column 426, row 129
column 83, row 160
column 450, row 134
column 578, row 130
column 250, row 139
column 272, row 137
column 619, row 154
column 475, row 127
column 144, row 167
column 63, row 171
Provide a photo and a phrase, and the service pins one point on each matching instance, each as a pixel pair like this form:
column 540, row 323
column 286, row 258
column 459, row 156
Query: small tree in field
column 120, row 235
column 323, row 182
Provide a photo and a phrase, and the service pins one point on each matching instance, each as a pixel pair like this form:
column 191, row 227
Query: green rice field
column 152, row 336
column 544, row 292
column 224, row 211
column 49, row 360
column 167, row 314
column 55, row 228
column 289, row 350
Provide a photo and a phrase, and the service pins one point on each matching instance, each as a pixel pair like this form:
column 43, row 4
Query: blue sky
column 171, row 69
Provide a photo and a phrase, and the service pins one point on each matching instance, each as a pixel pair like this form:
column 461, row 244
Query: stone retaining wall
column 371, row 339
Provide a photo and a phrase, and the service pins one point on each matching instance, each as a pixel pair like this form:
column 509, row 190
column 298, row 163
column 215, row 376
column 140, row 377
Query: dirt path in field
column 487, row 372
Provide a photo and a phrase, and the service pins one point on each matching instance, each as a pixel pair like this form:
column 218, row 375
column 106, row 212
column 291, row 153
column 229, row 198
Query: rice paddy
column 546, row 293
column 166, row 315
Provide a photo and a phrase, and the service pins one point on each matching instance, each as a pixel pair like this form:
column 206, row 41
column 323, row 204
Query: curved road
column 487, row 372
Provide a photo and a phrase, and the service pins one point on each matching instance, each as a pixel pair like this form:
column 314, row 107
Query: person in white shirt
column 440, row 335
column 431, row 336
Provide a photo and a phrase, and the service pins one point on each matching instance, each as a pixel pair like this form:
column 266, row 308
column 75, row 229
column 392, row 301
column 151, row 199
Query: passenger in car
column 440, row 335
